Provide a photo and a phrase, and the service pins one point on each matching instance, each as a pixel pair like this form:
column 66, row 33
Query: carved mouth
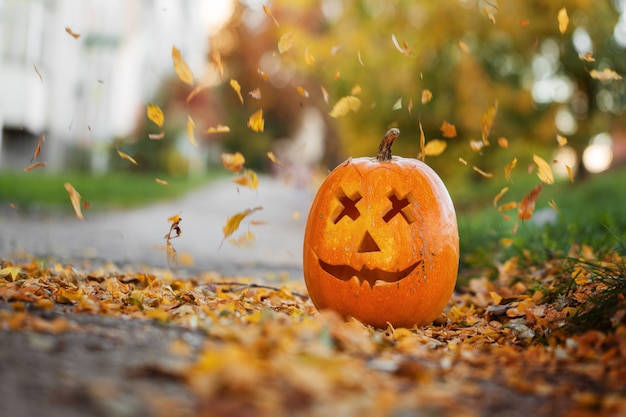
column 372, row 276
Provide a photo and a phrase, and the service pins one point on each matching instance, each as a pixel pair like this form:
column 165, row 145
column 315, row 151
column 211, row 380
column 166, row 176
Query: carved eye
column 399, row 206
column 349, row 206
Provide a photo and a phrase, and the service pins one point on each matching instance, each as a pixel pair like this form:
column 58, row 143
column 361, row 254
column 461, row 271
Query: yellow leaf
column 233, row 222
column 174, row 219
column 126, row 156
column 161, row 182
column 422, row 143
column 483, row 173
column 285, row 42
column 563, row 19
column 499, row 196
column 256, row 122
column 448, row 130
column 155, row 114
column 553, row 205
column 247, row 179
column 216, row 59
column 75, row 199
column 561, row 140
column 344, row 106
column 302, row 92
column 486, row 121
column 269, row 14
column 309, row 59
column 509, row 168
column 181, row 67
column 72, row 33
column 218, row 129
column 235, row 86
column 426, row 96
column 356, row 90
column 233, row 161
column 190, row 127
column 606, row 74
column 570, row 173
column 435, row 147
column 463, row 161
column 11, row 271
column 245, row 240
column 273, row 158
column 545, row 170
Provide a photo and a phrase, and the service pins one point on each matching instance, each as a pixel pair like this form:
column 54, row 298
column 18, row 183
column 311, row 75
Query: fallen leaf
column 155, row 114
column 233, row 222
column 181, row 67
column 426, row 96
column 72, row 33
column 233, row 161
column 256, row 123
column 126, row 156
column 345, row 105
column 285, row 42
column 235, row 86
column 435, row 147
column 544, row 171
column 248, row 179
column 483, row 173
column 34, row 165
column 75, row 199
column 269, row 14
column 448, row 130
column 606, row 74
column 499, row 196
column 161, row 182
column 218, row 129
column 509, row 168
column 190, row 131
column 487, row 120
column 10, row 271
column 563, row 19
column 527, row 205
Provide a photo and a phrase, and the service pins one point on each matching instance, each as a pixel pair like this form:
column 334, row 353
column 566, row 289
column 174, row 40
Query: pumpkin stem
column 384, row 150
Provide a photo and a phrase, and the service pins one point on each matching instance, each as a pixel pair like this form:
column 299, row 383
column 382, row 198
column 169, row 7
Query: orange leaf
column 72, row 33
column 503, row 142
column 499, row 196
column 256, row 122
column 422, row 143
column 155, row 114
column 75, row 199
column 247, row 179
column 487, row 120
column 181, row 67
column 545, row 170
column 508, row 206
column 527, row 205
column 426, row 96
column 235, row 86
column 302, row 92
column 233, row 161
column 448, row 130
column 35, row 165
column 509, row 168
column 40, row 141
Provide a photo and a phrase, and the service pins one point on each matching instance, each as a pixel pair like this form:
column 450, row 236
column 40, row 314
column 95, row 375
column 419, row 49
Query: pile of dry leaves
column 501, row 348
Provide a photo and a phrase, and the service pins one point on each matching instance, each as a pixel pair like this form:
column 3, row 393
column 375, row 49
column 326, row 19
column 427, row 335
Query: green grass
column 112, row 190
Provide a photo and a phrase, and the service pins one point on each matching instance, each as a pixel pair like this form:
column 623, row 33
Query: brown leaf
column 181, row 67
column 527, row 205
column 75, row 199
column 72, row 33
column 40, row 141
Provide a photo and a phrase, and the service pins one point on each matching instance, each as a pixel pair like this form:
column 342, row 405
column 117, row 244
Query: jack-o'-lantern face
column 381, row 243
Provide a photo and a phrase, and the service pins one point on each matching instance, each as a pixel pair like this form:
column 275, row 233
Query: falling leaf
column 233, row 161
column 404, row 49
column 545, row 171
column 561, row 140
column 38, row 73
column 360, row 59
column 269, row 14
column 345, row 105
column 483, row 173
column 75, row 199
column 218, row 129
column 356, row 90
column 426, row 96
column 190, row 131
column 435, row 147
column 309, row 59
column 503, row 142
column 156, row 136
column 509, row 168
column 235, row 86
column 162, row 182
column 397, row 105
column 40, row 141
column 489, row 15
column 216, row 59
column 422, row 142
column 448, row 130
column 285, row 42
column 256, row 93
column 553, row 205
column 409, row 107
column 34, row 165
column 563, row 19
column 155, row 114
column 273, row 158
column 477, row 145
column 256, row 122
column 524, row 22
column 499, row 196
column 181, row 67
column 324, row 94
column 508, row 206
column 463, row 161
column 174, row 227
column 244, row 241
column 262, row 74
column 233, row 222
column 172, row 259
column 72, row 33
column 463, row 47
column 302, row 92
column 247, row 179
column 486, row 122
column 605, row 75
column 588, row 57
column 126, row 156
column 337, row 75
column 570, row 173
column 527, row 205
column 195, row 92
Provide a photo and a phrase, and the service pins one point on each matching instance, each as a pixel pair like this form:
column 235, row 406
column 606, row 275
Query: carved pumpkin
column 381, row 242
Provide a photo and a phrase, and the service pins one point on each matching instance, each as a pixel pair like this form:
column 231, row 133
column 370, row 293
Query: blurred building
column 83, row 91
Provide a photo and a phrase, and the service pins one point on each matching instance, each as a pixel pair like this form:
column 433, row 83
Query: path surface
column 137, row 236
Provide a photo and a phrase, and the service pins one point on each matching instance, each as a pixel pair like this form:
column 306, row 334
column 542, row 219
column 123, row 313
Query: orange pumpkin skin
column 381, row 242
